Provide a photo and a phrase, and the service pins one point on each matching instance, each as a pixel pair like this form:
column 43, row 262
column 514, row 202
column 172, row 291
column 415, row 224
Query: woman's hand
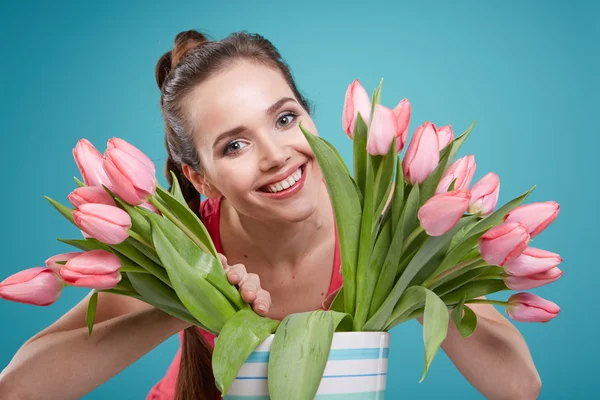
column 249, row 286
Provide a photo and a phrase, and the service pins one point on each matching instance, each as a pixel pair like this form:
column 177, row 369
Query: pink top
column 209, row 214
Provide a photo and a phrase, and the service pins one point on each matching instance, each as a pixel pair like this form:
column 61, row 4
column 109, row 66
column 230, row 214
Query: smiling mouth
column 286, row 183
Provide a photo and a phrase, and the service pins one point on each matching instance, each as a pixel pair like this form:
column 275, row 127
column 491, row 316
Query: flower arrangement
column 416, row 240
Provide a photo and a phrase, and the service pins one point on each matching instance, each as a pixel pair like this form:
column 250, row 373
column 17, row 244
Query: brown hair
column 192, row 60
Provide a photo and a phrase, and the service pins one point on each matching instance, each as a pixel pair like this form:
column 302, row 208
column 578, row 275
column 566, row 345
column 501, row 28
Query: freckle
column 293, row 277
column 245, row 256
column 322, row 294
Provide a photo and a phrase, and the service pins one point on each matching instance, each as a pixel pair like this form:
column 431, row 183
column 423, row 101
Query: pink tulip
column 108, row 224
column 503, row 243
column 532, row 261
column 537, row 216
column 422, row 155
column 52, row 264
column 39, row 286
column 527, row 307
column 532, row 281
column 356, row 100
column 90, row 194
column 402, row 113
column 117, row 143
column 462, row 170
column 484, row 195
column 382, row 131
column 95, row 269
column 442, row 212
column 445, row 136
column 132, row 179
column 149, row 206
column 89, row 162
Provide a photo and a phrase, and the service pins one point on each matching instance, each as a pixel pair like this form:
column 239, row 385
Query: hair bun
column 184, row 42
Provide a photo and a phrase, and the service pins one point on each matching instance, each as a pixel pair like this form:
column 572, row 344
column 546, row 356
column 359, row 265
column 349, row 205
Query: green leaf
column 78, row 182
column 412, row 299
column 338, row 301
column 200, row 263
column 435, row 327
column 472, row 290
column 176, row 189
column 359, row 153
column 466, row 323
column 409, row 214
column 65, row 211
column 385, row 179
column 91, row 312
column 139, row 224
column 86, row 244
column 339, row 157
column 131, row 252
column 299, row 353
column 347, row 211
column 458, row 279
column 205, row 302
column 237, row 340
column 447, row 155
column 427, row 251
column 398, row 199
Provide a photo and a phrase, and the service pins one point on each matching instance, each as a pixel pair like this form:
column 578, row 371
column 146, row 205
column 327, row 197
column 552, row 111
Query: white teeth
column 286, row 183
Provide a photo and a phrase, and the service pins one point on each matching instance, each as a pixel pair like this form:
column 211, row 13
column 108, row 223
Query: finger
column 236, row 273
column 223, row 260
column 249, row 287
column 262, row 304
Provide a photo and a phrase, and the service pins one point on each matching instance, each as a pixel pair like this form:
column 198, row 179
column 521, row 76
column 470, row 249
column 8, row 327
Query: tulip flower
column 445, row 136
column 90, row 194
column 402, row 113
column 95, row 269
column 89, row 162
column 532, row 261
column 484, row 195
column 382, row 131
column 443, row 211
column 422, row 155
column 532, row 281
column 108, row 224
column 503, row 243
column 356, row 100
column 527, row 307
column 537, row 216
column 39, row 286
column 132, row 179
column 52, row 262
column 117, row 143
column 462, row 170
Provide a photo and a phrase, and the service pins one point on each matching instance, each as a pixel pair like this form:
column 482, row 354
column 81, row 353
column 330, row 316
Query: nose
column 273, row 154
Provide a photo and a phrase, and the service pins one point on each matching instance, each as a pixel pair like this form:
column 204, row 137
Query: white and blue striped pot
column 356, row 369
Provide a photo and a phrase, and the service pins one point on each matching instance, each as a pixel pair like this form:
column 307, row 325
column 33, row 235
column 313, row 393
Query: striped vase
column 356, row 369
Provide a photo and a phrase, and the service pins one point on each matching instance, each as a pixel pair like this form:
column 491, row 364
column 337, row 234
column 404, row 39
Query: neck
column 283, row 243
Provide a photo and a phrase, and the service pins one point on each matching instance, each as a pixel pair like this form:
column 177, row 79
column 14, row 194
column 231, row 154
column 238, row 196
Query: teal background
column 527, row 71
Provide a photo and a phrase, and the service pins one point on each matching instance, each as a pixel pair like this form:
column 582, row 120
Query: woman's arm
column 495, row 359
column 62, row 362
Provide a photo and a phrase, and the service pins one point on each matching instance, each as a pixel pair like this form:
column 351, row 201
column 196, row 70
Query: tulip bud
column 38, row 286
column 532, row 281
column 442, row 212
column 117, row 143
column 462, row 170
column 532, row 261
column 356, row 100
column 527, row 307
column 503, row 243
column 90, row 194
column 402, row 113
column 445, row 136
column 537, row 216
column 52, row 264
column 95, row 269
column 89, row 162
column 382, row 131
column 484, row 195
column 132, row 179
column 422, row 155
column 108, row 224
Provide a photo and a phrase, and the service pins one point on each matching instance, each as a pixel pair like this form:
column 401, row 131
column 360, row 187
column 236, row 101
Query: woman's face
column 251, row 148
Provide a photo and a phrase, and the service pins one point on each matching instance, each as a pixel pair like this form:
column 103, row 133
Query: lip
column 289, row 192
column 282, row 175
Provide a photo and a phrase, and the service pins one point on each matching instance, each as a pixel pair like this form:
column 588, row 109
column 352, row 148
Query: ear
column 200, row 182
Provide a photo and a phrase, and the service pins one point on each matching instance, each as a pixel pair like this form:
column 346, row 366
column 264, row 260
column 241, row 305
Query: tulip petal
column 402, row 112
column 37, row 286
column 485, row 195
column 422, row 155
column 89, row 163
column 94, row 262
column 90, row 194
column 533, row 281
column 382, row 131
column 532, row 261
column 442, row 212
column 118, row 143
column 537, row 216
column 527, row 307
column 51, row 262
column 503, row 243
column 445, row 136
column 105, row 281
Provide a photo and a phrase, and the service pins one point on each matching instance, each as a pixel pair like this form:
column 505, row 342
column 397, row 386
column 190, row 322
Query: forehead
column 236, row 96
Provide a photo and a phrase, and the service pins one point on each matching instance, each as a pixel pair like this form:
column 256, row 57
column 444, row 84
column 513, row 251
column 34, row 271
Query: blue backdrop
column 526, row 71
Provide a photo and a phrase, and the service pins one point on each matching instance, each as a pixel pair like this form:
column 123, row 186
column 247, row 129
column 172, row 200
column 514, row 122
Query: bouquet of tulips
column 415, row 241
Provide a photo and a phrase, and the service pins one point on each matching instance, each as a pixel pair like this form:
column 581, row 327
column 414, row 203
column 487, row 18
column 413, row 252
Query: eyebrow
column 237, row 130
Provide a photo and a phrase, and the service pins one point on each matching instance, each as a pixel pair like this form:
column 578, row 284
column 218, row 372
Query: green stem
column 412, row 237
column 140, row 239
column 179, row 224
column 467, row 264
column 487, row 301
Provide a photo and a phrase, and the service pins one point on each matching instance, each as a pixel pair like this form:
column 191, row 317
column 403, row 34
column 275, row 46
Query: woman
column 231, row 111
